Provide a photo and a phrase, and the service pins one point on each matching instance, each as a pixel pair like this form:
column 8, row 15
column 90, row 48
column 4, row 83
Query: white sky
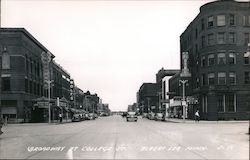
column 109, row 47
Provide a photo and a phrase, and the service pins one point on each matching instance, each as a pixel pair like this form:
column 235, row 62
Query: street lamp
column 183, row 98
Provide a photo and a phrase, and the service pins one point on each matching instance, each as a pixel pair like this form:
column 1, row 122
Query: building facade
column 216, row 41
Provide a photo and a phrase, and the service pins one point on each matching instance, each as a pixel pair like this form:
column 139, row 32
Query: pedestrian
column 197, row 116
column 60, row 117
column 1, row 125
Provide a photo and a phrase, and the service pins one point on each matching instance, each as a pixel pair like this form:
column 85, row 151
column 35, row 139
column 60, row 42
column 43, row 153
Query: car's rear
column 131, row 116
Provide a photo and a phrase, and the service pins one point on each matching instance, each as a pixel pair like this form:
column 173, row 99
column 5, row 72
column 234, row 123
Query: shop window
column 221, row 58
column 247, row 77
column 6, row 84
column 220, row 103
column 211, row 60
column 232, row 78
column 211, row 78
column 221, row 20
column 232, row 58
column 221, row 38
column 221, row 78
column 231, row 37
column 231, row 19
column 210, row 22
column 210, row 39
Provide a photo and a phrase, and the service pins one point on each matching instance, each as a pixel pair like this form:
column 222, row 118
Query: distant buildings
column 23, row 91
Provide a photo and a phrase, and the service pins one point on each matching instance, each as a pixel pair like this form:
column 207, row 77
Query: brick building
column 21, row 80
column 216, row 41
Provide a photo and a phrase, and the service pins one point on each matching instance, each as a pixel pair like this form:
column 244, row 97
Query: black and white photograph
column 125, row 79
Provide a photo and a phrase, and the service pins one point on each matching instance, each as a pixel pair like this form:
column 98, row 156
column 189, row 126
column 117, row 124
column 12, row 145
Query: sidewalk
column 176, row 120
column 53, row 122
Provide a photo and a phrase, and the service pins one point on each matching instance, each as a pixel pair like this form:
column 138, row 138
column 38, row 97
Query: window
column 231, row 37
column 5, row 60
column 196, row 33
column 246, row 20
column 210, row 22
column 202, row 24
column 203, row 61
column 231, row 19
column 247, row 77
column 221, row 20
column 211, row 79
column 5, row 83
column 26, row 85
column 197, row 82
column 204, row 103
column 210, row 39
column 203, row 80
column 221, row 58
column 221, row 38
column 232, row 78
column 232, row 58
column 211, row 60
column 203, row 41
column 230, row 103
column 247, row 58
column 247, row 37
column 221, row 78
column 220, row 103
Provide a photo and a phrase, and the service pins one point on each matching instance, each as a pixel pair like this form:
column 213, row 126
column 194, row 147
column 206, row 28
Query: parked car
column 131, row 116
column 91, row 116
column 144, row 115
column 151, row 116
column 124, row 114
column 76, row 117
column 159, row 117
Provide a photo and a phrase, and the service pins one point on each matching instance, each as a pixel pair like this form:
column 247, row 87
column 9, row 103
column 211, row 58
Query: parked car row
column 77, row 117
column 154, row 116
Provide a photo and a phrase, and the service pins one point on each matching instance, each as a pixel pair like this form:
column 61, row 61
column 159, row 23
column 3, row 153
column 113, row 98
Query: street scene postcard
column 125, row 79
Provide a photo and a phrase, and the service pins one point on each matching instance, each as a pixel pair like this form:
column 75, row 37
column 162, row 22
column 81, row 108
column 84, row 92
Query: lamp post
column 183, row 98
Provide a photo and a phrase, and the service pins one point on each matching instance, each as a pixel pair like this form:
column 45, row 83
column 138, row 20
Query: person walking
column 60, row 117
column 197, row 116
column 1, row 125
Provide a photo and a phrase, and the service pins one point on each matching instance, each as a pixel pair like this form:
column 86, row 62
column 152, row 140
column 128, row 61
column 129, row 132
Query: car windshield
column 131, row 113
column 159, row 114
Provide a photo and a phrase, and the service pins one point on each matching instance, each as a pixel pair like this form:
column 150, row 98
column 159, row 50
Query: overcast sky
column 108, row 47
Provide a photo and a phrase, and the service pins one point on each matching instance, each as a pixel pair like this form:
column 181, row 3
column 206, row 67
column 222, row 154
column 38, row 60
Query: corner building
column 217, row 43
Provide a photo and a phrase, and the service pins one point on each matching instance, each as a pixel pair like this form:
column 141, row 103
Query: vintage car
column 76, row 117
column 131, row 116
column 159, row 117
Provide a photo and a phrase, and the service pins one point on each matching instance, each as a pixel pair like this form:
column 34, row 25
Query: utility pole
column 183, row 98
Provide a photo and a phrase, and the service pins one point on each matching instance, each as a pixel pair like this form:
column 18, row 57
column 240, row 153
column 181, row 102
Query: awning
column 9, row 110
column 175, row 103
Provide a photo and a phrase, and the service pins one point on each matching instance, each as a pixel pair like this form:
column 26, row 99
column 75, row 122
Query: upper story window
column 246, row 20
column 5, row 83
column 202, row 41
column 5, row 60
column 211, row 79
column 211, row 60
column 247, row 77
column 203, row 80
column 247, row 58
column 203, row 61
column 221, row 38
column 210, row 22
column 232, row 58
column 221, row 58
column 232, row 78
column 221, row 78
column 231, row 37
column 231, row 19
column 221, row 20
column 202, row 24
column 210, row 39
column 246, row 39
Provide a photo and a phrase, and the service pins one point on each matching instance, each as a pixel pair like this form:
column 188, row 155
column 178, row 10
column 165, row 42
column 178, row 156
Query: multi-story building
column 216, row 41
column 22, row 79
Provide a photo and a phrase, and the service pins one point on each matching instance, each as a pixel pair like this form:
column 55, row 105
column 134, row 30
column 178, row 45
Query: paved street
column 114, row 138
